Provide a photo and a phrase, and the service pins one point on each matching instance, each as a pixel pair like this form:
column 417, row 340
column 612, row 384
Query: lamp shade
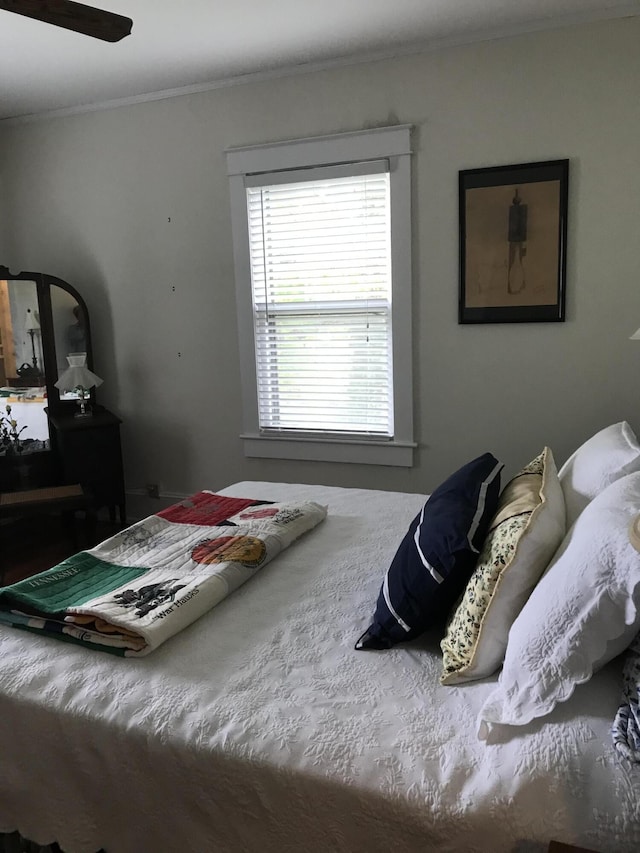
column 77, row 359
column 31, row 323
column 77, row 375
column 635, row 336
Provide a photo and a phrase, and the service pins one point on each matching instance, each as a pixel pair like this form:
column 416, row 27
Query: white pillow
column 610, row 454
column 584, row 611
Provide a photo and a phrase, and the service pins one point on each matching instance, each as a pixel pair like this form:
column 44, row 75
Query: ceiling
column 196, row 44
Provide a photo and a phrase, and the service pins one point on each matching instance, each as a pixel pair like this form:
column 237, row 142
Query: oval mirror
column 69, row 323
column 22, row 370
column 42, row 320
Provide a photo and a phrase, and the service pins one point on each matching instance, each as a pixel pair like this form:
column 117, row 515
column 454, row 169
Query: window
column 323, row 276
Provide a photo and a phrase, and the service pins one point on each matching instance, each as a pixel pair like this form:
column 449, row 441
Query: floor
column 29, row 546
column 34, row 544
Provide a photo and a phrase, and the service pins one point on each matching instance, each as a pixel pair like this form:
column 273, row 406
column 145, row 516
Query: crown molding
column 423, row 47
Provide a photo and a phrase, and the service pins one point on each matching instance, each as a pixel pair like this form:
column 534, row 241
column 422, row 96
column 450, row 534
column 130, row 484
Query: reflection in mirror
column 69, row 331
column 22, row 377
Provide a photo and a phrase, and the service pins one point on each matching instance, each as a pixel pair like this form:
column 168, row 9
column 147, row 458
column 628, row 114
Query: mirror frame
column 43, row 283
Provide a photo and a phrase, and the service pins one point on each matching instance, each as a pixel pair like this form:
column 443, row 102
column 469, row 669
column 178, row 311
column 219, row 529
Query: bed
column 260, row 728
column 28, row 409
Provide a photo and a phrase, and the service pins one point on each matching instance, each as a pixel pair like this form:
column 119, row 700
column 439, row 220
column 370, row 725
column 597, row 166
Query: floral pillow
column 523, row 536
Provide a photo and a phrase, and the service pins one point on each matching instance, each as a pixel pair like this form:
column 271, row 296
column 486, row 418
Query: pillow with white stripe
column 437, row 555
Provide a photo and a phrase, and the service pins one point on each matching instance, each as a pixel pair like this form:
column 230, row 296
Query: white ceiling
column 197, row 43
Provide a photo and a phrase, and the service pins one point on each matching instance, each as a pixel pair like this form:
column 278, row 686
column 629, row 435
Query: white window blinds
column 320, row 260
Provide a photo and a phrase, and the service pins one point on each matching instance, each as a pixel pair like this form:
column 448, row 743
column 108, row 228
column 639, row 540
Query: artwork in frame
column 513, row 236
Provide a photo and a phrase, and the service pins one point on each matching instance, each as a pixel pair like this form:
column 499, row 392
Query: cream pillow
column 523, row 536
column 611, row 453
column 582, row 613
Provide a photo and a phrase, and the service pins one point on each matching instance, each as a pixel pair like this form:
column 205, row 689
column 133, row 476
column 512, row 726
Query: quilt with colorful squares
column 134, row 591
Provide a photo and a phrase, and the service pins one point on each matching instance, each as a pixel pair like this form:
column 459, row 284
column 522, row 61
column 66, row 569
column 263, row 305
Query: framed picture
column 513, row 236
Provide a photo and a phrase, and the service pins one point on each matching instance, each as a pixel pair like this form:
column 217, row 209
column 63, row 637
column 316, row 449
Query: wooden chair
column 66, row 500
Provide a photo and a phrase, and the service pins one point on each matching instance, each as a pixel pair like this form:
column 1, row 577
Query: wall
column 131, row 206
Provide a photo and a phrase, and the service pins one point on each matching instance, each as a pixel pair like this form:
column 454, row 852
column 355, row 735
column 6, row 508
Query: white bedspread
column 259, row 728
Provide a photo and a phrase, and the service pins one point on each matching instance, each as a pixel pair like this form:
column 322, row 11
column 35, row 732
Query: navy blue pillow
column 437, row 555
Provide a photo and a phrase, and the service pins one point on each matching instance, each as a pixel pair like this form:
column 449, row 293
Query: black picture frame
column 513, row 243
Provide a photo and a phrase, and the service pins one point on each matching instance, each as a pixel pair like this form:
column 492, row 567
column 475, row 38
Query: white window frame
column 394, row 145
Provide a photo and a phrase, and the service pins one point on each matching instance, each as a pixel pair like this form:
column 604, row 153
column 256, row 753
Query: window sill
column 396, row 453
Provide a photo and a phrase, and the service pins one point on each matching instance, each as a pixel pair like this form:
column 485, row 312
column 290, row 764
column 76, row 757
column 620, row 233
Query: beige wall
column 92, row 196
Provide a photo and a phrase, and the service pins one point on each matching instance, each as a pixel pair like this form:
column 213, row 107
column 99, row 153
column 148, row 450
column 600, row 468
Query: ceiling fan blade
column 73, row 16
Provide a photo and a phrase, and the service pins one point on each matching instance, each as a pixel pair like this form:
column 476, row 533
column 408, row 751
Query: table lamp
column 77, row 377
column 31, row 325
